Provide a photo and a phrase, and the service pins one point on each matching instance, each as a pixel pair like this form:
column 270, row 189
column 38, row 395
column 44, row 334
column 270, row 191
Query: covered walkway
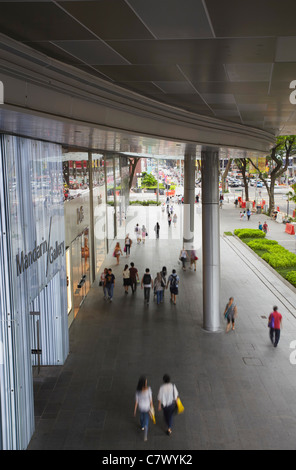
column 238, row 391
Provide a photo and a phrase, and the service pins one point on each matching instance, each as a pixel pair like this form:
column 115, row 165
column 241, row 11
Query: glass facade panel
column 33, row 276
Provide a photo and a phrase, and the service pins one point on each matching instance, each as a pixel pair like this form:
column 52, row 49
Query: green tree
column 148, row 180
column 278, row 159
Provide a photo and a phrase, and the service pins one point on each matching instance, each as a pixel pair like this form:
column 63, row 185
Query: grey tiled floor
column 238, row 391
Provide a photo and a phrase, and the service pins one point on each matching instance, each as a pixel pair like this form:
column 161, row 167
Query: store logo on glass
column 1, row 93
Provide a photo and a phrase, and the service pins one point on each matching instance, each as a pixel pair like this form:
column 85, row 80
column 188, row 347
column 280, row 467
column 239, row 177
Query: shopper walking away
column 134, row 277
column 275, row 324
column 138, row 233
column 248, row 214
column 193, row 258
column 156, row 229
column 159, row 286
column 183, row 258
column 109, row 284
column 175, row 219
column 117, row 252
column 144, row 402
column 127, row 245
column 146, row 284
column 102, row 282
column 173, row 282
column 169, row 219
column 126, row 278
column 167, row 397
column 144, row 233
column 230, row 314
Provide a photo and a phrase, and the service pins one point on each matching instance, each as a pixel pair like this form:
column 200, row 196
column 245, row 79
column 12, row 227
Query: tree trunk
column 224, row 176
column 133, row 164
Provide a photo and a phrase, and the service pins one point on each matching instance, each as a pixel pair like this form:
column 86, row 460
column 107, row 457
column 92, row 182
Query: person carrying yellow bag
column 168, row 401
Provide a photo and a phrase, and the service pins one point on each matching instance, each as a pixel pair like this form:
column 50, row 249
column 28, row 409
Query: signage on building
column 25, row 260
column 53, row 251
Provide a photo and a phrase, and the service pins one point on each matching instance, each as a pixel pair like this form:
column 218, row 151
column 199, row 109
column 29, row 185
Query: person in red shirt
column 275, row 324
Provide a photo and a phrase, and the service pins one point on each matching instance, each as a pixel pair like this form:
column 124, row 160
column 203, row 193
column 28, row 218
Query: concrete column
column 210, row 238
column 189, row 197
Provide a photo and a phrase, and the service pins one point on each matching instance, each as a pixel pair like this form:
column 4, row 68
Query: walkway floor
column 238, row 391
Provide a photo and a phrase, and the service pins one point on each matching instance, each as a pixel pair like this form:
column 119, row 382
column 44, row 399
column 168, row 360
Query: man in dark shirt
column 110, row 283
column 133, row 277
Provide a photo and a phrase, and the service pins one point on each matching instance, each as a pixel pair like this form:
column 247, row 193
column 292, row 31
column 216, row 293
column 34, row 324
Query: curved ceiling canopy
column 229, row 60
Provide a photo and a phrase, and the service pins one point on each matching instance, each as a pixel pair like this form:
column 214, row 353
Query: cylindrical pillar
column 210, row 239
column 189, row 197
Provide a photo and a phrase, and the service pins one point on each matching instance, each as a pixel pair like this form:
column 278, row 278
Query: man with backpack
column 173, row 280
column 147, row 283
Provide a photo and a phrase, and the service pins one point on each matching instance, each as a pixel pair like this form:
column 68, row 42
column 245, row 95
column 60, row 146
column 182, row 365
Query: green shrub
column 261, row 244
column 291, row 277
column 280, row 258
column 249, row 233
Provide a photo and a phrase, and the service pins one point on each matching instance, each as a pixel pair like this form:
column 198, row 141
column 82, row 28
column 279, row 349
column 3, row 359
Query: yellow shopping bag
column 152, row 414
column 180, row 406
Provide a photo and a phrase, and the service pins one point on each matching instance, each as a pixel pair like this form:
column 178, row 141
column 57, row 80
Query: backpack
column 146, row 279
column 174, row 281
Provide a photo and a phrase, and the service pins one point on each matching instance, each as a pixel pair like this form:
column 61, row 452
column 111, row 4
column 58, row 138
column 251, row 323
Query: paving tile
column 238, row 391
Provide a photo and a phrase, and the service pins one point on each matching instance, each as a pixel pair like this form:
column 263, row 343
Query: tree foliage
column 278, row 159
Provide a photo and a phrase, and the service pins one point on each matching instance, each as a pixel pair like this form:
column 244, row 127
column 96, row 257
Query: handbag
column 152, row 414
column 180, row 407
column 271, row 322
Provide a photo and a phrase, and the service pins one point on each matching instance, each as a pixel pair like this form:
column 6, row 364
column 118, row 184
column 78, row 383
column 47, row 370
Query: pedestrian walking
column 260, row 226
column 127, row 245
column 126, row 278
column 134, row 277
column 146, row 284
column 102, row 282
column 144, row 233
column 138, row 233
column 175, row 219
column 249, row 214
column 169, row 219
column 230, row 313
column 156, row 229
column 193, row 258
column 117, row 252
column 173, row 282
column 167, row 398
column 183, row 258
column 265, row 227
column 143, row 401
column 109, row 284
column 275, row 324
column 159, row 286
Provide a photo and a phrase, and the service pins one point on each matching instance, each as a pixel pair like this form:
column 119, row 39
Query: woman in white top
column 167, row 397
column 144, row 403
column 126, row 278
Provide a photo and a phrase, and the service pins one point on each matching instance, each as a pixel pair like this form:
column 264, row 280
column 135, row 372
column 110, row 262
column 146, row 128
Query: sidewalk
column 238, row 391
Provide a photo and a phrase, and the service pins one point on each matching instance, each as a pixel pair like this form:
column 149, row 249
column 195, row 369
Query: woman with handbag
column 167, row 400
column 144, row 402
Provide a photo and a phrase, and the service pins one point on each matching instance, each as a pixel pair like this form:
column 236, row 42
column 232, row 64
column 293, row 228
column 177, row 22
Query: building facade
column 60, row 212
